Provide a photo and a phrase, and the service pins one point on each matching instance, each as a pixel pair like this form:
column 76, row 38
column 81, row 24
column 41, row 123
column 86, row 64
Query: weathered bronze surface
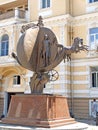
column 38, row 50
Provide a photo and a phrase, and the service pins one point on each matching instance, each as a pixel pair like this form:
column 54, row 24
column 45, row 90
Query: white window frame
column 91, row 7
column 5, row 48
column 45, row 12
column 5, row 42
column 93, row 45
column 96, row 73
column 15, row 80
column 46, row 6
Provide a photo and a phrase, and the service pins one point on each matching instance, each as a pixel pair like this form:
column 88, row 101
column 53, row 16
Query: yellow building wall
column 33, row 8
column 79, row 78
column 79, row 68
column 80, row 87
column 80, row 31
column 79, row 7
column 56, row 31
column 17, row 32
column 81, row 108
column 58, row 7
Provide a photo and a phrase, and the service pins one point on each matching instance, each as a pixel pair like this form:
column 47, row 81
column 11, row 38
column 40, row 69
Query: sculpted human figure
column 46, row 50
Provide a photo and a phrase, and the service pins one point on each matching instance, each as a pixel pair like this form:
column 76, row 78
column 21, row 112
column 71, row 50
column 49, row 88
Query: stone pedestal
column 38, row 110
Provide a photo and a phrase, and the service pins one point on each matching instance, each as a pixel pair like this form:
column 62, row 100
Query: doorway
column 7, row 100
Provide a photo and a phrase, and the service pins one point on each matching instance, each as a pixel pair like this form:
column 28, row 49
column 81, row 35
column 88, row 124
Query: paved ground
column 91, row 124
column 79, row 125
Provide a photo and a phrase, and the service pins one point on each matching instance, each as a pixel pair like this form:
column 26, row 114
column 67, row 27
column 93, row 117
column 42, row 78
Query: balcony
column 17, row 14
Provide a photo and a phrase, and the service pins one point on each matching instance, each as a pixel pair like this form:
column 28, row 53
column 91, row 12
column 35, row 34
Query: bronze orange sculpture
column 35, row 51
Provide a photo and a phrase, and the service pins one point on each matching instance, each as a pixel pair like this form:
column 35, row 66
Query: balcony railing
column 20, row 14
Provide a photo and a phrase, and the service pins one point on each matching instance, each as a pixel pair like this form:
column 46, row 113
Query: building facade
column 78, row 78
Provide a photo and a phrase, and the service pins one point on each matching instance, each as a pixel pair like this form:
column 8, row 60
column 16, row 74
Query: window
column 94, row 79
column 4, row 45
column 16, row 80
column 93, row 33
column 45, row 3
column 91, row 1
column 92, row 6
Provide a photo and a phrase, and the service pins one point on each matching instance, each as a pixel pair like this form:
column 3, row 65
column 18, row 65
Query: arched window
column 4, row 45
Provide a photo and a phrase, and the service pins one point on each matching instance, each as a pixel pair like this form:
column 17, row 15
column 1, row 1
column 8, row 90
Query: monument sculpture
column 38, row 54
column 35, row 52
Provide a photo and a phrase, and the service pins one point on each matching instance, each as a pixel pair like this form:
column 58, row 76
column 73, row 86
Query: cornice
column 85, row 19
column 58, row 20
column 71, row 20
column 66, row 19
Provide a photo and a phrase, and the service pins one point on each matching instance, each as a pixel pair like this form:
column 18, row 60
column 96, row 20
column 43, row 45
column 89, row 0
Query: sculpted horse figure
column 76, row 47
column 38, row 50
